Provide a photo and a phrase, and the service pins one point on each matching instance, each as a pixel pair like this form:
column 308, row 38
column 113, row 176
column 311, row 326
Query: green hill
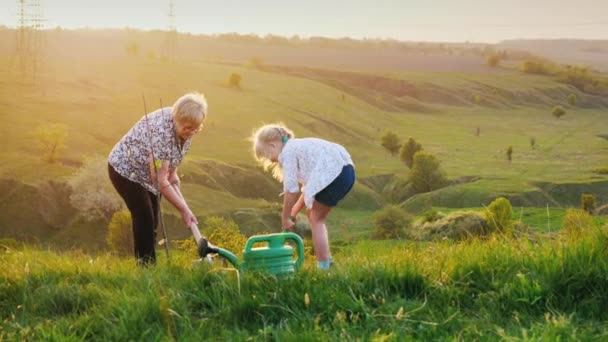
column 98, row 98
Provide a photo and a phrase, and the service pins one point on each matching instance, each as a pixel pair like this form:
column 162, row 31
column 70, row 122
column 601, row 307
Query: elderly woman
column 143, row 165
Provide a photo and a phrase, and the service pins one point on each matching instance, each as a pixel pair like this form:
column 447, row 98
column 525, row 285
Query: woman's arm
column 173, row 194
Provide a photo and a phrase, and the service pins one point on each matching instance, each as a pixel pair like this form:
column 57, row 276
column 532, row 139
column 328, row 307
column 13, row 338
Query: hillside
column 96, row 92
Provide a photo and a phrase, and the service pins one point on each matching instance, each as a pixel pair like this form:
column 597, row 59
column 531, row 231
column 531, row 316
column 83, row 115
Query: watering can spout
column 205, row 248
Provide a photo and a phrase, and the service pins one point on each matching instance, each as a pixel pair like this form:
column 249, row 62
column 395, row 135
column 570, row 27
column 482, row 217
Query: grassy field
column 382, row 290
column 66, row 286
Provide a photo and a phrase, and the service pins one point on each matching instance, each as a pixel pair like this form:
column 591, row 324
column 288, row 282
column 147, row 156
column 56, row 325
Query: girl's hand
column 288, row 225
column 188, row 218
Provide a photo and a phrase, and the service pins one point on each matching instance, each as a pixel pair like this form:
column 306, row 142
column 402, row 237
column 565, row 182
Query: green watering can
column 275, row 257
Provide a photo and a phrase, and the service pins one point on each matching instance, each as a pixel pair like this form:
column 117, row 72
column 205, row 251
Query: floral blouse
column 130, row 156
column 312, row 162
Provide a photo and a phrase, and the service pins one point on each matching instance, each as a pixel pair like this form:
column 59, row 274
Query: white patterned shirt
column 312, row 162
column 130, row 156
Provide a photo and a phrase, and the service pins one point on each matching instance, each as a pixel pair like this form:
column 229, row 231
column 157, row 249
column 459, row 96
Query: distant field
column 97, row 91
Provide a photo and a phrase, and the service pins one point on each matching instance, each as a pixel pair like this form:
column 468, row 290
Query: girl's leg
column 316, row 217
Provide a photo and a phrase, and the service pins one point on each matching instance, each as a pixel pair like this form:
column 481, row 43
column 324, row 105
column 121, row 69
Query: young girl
column 324, row 169
column 144, row 162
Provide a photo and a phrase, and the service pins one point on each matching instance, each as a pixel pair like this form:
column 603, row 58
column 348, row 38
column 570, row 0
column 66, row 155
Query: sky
column 411, row 20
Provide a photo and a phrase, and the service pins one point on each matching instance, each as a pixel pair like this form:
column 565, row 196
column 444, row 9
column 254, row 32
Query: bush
column 51, row 138
column 426, row 174
column 120, row 233
column 408, row 150
column 234, row 81
column 588, row 203
column 432, row 215
column 532, row 142
column 499, row 213
column 572, row 99
column 576, row 223
column 509, row 152
column 601, row 170
column 493, row 60
column 456, row 226
column 92, row 192
column 390, row 141
column 224, row 233
column 558, row 111
column 392, row 222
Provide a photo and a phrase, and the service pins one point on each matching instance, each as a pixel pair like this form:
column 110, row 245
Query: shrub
column 224, row 233
column 456, row 226
column 92, row 193
column 408, row 150
column 120, row 234
column 601, row 170
column 426, row 174
column 588, row 203
column 558, row 111
column 392, row 222
column 493, row 60
column 255, row 62
column 51, row 138
column 572, row 99
column 390, row 141
column 499, row 213
column 234, row 81
column 576, row 223
column 432, row 215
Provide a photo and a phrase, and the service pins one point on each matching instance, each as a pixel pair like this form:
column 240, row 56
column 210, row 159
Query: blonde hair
column 191, row 107
column 276, row 132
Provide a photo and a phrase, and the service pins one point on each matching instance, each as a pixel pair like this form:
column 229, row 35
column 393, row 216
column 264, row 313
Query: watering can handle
column 298, row 240
column 286, row 236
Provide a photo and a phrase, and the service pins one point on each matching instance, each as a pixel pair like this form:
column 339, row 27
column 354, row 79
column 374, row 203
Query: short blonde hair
column 191, row 107
column 276, row 132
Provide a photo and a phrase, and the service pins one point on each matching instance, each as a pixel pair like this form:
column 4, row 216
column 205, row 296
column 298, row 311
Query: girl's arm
column 298, row 206
column 289, row 199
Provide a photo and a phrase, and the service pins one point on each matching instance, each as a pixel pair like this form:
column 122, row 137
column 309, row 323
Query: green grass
column 495, row 289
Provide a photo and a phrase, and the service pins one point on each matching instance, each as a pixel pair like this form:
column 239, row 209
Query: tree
column 92, row 193
column 407, row 151
column 572, row 99
column 120, row 235
column 532, row 142
column 390, row 141
column 391, row 222
column 558, row 111
column 509, row 152
column 51, row 138
column 234, row 81
column 426, row 174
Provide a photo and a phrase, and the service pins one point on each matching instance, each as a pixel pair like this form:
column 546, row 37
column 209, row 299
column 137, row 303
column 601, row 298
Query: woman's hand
column 188, row 218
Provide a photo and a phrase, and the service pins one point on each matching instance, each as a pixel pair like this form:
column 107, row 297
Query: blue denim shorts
column 336, row 190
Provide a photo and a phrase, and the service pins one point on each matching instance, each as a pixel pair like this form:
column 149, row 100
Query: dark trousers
column 144, row 209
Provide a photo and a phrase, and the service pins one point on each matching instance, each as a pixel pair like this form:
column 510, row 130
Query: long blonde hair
column 275, row 132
